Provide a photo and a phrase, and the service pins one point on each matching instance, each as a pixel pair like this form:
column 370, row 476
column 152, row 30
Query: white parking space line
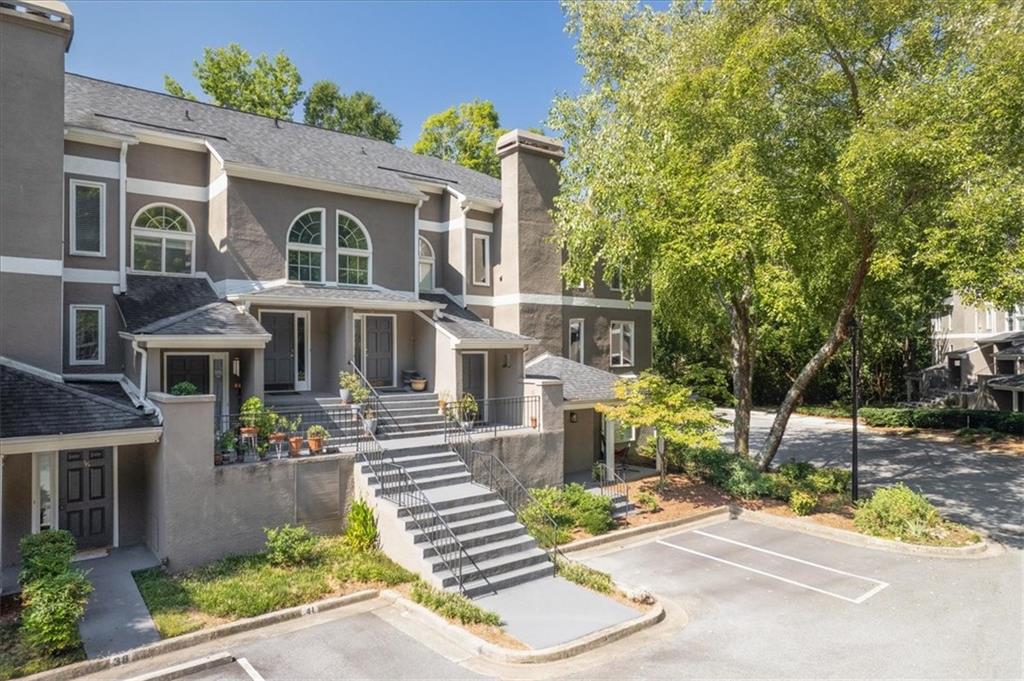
column 249, row 669
column 879, row 585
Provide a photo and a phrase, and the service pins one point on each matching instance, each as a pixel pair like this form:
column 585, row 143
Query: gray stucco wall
column 166, row 164
column 132, row 492
column 17, row 504
column 535, row 458
column 581, row 440
column 433, row 208
column 34, row 338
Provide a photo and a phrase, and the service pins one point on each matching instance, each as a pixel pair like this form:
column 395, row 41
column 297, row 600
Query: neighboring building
column 979, row 358
column 148, row 241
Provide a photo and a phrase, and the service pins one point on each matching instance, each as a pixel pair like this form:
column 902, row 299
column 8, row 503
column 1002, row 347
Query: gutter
column 122, row 219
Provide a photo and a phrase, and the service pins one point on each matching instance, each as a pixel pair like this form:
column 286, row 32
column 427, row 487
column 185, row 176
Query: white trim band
column 39, row 266
column 94, row 167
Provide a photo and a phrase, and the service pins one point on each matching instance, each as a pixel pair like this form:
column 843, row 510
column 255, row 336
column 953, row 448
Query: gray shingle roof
column 32, row 406
column 1005, row 337
column 1016, row 381
column 152, row 298
column 281, row 146
column 338, row 294
column 579, row 381
column 219, row 318
column 465, row 325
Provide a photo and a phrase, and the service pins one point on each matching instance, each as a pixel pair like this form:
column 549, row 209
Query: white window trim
column 72, row 218
column 360, row 321
column 611, row 347
column 309, row 248
column 582, row 332
column 426, row 260
column 163, row 235
column 632, row 433
column 486, row 280
column 487, row 371
column 102, row 336
column 368, row 253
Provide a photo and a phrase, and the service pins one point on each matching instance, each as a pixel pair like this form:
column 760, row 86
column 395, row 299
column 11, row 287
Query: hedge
column 954, row 419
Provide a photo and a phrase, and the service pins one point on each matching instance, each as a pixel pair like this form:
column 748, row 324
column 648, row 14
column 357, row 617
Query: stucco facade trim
column 103, row 438
column 39, row 266
column 547, row 299
column 94, row 167
column 168, row 190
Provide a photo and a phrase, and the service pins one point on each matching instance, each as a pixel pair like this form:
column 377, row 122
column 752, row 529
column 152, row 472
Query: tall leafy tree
column 270, row 86
column 358, row 114
column 465, row 134
column 798, row 154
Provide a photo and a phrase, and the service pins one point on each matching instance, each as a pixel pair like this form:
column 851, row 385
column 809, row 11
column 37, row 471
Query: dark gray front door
column 380, row 338
column 473, row 375
column 279, row 355
column 86, row 497
column 192, row 368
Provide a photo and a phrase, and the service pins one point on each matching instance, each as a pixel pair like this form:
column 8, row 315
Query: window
column 576, row 340
column 87, row 329
column 616, row 282
column 88, row 218
column 426, row 265
column 990, row 319
column 162, row 240
column 624, row 433
column 354, row 250
column 622, row 344
column 481, row 260
column 44, row 493
column 306, row 247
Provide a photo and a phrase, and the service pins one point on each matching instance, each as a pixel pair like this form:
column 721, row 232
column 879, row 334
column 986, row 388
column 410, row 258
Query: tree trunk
column 820, row 358
column 742, row 369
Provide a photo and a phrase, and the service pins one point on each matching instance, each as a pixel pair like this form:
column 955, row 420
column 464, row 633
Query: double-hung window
column 481, row 260
column 86, row 335
column 576, row 340
column 88, row 217
column 622, row 344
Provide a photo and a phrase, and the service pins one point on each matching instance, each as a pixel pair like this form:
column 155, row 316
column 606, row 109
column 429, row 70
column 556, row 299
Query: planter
column 357, row 408
column 294, row 446
column 418, row 385
column 533, row 421
column 371, row 425
column 247, row 431
column 316, row 444
column 218, row 459
column 277, row 437
column 467, row 425
column 227, row 456
column 346, row 395
column 441, row 405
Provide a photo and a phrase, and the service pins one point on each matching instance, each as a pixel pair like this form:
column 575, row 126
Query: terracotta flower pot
column 533, row 421
column 315, row 444
column 418, row 384
column 247, row 431
column 295, row 446
column 277, row 437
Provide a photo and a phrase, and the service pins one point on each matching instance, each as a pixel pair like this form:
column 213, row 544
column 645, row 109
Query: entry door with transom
column 279, row 354
column 380, row 342
column 474, row 377
column 87, row 497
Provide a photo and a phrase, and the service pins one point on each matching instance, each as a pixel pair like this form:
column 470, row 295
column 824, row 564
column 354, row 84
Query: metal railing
column 611, row 483
column 269, row 436
column 391, row 425
column 398, row 487
column 495, row 414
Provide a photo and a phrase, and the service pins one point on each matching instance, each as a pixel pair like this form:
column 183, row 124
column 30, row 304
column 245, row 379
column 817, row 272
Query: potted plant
column 349, row 384
column 250, row 416
column 467, row 409
column 533, row 421
column 418, row 384
column 370, row 421
column 295, row 439
column 280, row 433
column 315, row 436
column 443, row 398
column 225, row 448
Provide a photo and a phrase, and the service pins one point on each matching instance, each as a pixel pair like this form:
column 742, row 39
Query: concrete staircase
column 503, row 553
column 416, row 413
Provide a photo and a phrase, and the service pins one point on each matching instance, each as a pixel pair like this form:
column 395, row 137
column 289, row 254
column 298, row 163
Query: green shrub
column 289, row 545
column 453, row 606
column 898, row 417
column 830, row 480
column 372, row 566
column 745, row 480
column 898, row 512
column 585, row 576
column 831, row 411
column 54, row 604
column 779, row 486
column 802, row 503
column 46, row 554
column 361, row 531
column 570, row 507
column 796, row 471
column 705, row 463
column 648, row 501
column 184, row 388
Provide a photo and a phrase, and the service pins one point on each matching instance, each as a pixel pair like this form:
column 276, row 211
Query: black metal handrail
column 378, row 405
column 610, row 481
column 495, row 414
column 398, row 487
column 268, row 434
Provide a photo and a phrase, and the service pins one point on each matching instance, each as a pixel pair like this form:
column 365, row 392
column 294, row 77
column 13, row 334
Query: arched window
column 354, row 251
column 162, row 240
column 306, row 247
column 426, row 268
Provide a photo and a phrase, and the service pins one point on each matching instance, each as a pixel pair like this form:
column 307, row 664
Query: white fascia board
column 197, row 342
column 98, row 138
column 39, row 266
column 356, row 304
column 550, row 299
column 168, row 190
column 483, row 344
column 570, row 405
column 246, row 171
column 103, row 438
column 166, row 139
column 93, row 167
column 83, row 276
column 97, row 378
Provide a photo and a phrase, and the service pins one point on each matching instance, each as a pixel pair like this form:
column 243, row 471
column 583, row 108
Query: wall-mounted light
column 507, row 364
column 573, row 418
column 236, row 366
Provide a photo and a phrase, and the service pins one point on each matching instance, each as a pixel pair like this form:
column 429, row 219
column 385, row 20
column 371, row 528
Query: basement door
column 87, row 497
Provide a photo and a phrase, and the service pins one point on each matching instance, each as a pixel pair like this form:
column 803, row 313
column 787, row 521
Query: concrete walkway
column 551, row 611
column 116, row 618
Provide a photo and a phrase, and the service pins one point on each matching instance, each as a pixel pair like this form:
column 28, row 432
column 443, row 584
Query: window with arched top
column 355, row 251
column 163, row 240
column 426, row 265
column 306, row 247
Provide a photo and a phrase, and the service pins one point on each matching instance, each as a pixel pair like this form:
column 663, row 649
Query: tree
column 797, row 156
column 357, row 114
column 678, row 414
column 465, row 134
column 229, row 76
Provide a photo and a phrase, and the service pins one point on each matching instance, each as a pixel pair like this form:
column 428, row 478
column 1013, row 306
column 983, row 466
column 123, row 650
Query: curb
column 631, row 532
column 171, row 645
column 986, row 548
column 497, row 653
column 186, row 668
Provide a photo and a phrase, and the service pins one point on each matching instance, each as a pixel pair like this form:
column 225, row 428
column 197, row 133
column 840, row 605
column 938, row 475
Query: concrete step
column 416, row 416
column 457, row 497
column 427, row 482
column 491, row 521
column 407, row 432
column 501, row 572
column 474, row 510
column 421, row 471
column 407, row 398
column 471, row 540
column 509, row 547
column 476, row 588
column 416, row 460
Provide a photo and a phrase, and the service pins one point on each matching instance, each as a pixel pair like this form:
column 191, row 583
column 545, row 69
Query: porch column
column 609, row 448
column 252, row 375
column 347, row 345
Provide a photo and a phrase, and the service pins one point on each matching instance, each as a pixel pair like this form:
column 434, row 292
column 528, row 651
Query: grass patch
column 585, row 576
column 571, row 507
column 246, row 586
column 17, row 658
column 453, row 606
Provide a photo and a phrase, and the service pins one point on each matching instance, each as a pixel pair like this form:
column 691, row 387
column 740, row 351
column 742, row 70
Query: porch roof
column 1012, row 382
column 580, row 383
column 151, row 298
column 465, row 327
column 358, row 297
column 216, row 319
column 33, row 406
column 1013, row 352
column 999, row 338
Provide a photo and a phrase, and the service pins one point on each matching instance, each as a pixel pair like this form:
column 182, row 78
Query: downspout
column 122, row 238
column 416, row 250
column 144, row 380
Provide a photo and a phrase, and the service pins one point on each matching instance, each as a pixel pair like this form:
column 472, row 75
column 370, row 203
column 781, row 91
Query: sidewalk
column 116, row 618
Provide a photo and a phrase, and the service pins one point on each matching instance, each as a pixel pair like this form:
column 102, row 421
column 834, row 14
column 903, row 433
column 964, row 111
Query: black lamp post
column 853, row 327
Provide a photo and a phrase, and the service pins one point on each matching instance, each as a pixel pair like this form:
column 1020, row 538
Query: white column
column 609, row 449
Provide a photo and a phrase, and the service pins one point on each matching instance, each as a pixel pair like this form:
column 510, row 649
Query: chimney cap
column 524, row 140
column 49, row 15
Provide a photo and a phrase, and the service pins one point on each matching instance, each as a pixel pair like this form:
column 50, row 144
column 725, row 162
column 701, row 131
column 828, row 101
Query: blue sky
column 417, row 58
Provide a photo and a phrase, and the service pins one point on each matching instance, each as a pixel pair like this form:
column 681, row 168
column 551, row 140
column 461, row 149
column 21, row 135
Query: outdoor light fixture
column 573, row 418
column 853, row 328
